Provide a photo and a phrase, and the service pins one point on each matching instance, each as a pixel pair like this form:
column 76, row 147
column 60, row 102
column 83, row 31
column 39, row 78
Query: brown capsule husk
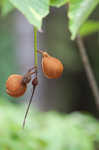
column 14, row 86
column 51, row 66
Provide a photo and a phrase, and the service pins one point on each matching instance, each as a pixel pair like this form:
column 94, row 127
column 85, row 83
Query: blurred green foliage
column 35, row 11
column 6, row 7
column 58, row 3
column 78, row 13
column 89, row 27
column 46, row 131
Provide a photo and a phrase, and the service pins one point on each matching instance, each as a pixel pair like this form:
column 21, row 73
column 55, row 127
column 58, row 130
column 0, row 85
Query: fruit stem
column 35, row 46
column 28, row 107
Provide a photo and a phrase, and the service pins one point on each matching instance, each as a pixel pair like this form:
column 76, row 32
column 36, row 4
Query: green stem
column 35, row 46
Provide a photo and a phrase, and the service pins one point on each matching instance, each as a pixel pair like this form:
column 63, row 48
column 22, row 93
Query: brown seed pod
column 14, row 85
column 52, row 67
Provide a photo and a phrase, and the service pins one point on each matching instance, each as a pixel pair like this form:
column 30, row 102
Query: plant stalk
column 88, row 70
column 35, row 46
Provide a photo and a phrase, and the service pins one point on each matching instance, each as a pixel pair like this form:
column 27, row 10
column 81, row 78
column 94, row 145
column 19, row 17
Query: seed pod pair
column 16, row 85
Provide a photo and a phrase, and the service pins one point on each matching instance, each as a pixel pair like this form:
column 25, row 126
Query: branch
column 27, row 110
column 88, row 70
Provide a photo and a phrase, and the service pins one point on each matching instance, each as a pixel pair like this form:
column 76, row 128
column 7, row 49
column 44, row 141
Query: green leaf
column 33, row 10
column 79, row 11
column 89, row 27
column 58, row 3
column 6, row 7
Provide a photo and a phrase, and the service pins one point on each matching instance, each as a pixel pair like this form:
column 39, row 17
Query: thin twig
column 28, row 107
column 88, row 69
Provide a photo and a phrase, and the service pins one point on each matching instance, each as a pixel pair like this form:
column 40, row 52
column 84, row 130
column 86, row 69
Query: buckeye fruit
column 51, row 66
column 14, row 85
